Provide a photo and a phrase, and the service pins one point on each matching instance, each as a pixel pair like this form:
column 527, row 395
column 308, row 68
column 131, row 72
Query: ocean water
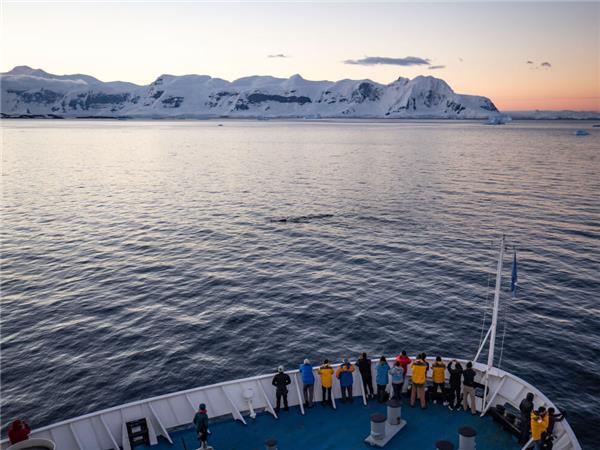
column 140, row 258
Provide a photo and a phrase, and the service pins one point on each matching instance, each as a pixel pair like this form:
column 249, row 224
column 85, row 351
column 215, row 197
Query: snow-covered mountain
column 28, row 92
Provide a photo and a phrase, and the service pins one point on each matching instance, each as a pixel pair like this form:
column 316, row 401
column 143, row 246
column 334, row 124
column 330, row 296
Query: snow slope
column 33, row 92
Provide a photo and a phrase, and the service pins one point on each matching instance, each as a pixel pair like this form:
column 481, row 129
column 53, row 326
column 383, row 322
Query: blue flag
column 513, row 278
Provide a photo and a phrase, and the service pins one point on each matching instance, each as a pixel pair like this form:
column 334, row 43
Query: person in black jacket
column 364, row 367
column 469, row 387
column 526, row 407
column 554, row 417
column 456, row 371
column 281, row 381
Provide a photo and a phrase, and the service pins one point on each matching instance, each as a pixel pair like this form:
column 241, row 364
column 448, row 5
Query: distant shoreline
column 5, row 116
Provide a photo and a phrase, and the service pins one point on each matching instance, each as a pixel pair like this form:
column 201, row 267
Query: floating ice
column 499, row 119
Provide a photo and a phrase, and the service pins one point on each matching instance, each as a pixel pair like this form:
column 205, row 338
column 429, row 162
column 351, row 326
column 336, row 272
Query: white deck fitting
column 390, row 432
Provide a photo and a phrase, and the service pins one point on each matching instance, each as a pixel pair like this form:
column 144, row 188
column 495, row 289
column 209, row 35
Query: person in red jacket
column 404, row 361
column 18, row 431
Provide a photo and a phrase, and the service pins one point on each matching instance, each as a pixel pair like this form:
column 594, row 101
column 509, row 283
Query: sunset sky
column 535, row 55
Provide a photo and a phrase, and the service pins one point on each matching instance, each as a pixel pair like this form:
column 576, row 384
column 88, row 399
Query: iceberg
column 499, row 119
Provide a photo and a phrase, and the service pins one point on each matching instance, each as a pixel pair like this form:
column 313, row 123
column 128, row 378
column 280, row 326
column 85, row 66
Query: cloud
column 529, row 62
column 436, row 67
column 278, row 55
column 546, row 64
column 383, row 60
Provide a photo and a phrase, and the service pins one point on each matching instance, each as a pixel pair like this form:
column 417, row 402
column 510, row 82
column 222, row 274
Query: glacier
column 28, row 92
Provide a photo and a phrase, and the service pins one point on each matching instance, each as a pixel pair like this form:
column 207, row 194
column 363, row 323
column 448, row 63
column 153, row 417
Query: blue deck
column 346, row 428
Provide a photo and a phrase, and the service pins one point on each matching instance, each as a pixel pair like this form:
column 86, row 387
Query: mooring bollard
column 271, row 444
column 444, row 445
column 394, row 411
column 466, row 438
column 377, row 426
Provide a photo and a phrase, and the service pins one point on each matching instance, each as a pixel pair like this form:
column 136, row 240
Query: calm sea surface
column 140, row 258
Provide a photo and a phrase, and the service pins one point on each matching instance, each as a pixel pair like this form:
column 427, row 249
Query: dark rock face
column 215, row 99
column 366, row 91
column 157, row 94
column 93, row 100
column 172, row 102
column 259, row 98
column 488, row 105
column 432, row 98
column 44, row 96
column 456, row 107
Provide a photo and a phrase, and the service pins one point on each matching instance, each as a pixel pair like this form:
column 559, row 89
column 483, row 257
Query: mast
column 493, row 327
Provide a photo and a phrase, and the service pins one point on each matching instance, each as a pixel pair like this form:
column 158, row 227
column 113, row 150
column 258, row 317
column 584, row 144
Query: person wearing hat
column 539, row 424
column 281, row 381
column 308, row 383
column 326, row 373
column 201, row 423
column 344, row 374
column 18, row 431
column 364, row 368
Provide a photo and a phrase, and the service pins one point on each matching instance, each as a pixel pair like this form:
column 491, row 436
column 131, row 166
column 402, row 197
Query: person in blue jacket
column 344, row 374
column 382, row 379
column 308, row 383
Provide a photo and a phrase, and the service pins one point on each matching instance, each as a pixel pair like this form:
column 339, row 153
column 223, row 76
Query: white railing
column 104, row 429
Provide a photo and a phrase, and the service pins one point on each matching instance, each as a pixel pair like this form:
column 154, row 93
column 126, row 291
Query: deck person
column 469, row 387
column 281, row 381
column 326, row 374
column 18, row 431
column 456, row 370
column 404, row 361
column 397, row 380
column 344, row 374
column 419, row 376
column 439, row 379
column 201, row 424
column 539, row 424
column 526, row 408
column 382, row 379
column 554, row 417
column 308, row 383
column 364, row 367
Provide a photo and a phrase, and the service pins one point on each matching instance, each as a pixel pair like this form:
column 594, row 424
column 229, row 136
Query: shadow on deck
column 345, row 428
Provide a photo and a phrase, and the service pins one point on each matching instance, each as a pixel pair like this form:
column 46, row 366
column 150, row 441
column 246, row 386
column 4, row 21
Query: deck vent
column 137, row 431
column 444, row 445
column 394, row 412
column 466, row 438
column 377, row 426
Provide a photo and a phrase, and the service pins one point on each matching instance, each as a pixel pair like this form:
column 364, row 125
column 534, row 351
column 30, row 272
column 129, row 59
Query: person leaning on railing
column 344, row 374
column 419, row 376
column 308, row 383
column 364, row 367
column 382, row 379
column 281, row 381
column 526, row 408
column 18, row 431
column 469, row 387
column 439, row 379
column 326, row 374
column 539, row 425
column 456, row 371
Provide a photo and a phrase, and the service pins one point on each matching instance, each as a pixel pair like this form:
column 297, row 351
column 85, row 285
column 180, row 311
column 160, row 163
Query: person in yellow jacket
column 326, row 374
column 419, row 376
column 539, row 424
column 439, row 380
